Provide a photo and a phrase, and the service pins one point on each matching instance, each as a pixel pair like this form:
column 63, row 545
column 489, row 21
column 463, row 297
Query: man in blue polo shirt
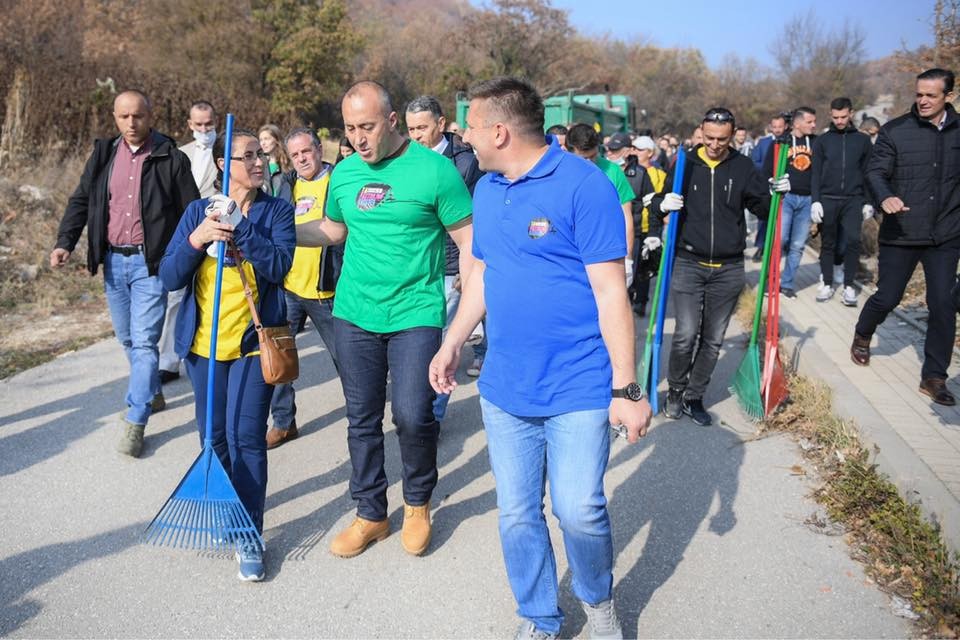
column 549, row 243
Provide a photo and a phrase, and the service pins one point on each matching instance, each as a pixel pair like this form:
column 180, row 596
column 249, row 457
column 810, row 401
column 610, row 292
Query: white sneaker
column 474, row 369
column 603, row 621
column 850, row 296
column 824, row 293
column 838, row 276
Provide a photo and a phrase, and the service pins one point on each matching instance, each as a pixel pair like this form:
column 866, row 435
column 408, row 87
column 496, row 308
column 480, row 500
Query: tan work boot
column 415, row 535
column 361, row 533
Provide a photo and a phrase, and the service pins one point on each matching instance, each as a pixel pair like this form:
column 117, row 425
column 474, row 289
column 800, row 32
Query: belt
column 126, row 250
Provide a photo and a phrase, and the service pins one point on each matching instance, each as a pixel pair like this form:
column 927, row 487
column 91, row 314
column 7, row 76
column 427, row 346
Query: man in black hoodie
column 426, row 124
column 718, row 184
column 839, row 200
column 914, row 173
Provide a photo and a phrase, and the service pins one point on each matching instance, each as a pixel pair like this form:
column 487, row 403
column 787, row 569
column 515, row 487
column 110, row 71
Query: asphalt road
column 709, row 528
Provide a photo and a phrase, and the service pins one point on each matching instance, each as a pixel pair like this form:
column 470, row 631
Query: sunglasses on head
column 718, row 115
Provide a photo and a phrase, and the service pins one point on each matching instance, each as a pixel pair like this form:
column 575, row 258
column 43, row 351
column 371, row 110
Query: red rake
column 774, row 381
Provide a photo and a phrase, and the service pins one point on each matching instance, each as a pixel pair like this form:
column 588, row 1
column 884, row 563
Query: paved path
column 709, row 528
column 918, row 441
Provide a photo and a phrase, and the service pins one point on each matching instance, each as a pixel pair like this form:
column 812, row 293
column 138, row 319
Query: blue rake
column 204, row 512
column 669, row 251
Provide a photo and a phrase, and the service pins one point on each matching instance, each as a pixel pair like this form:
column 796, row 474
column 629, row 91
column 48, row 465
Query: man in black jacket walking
column 426, row 124
column 914, row 173
column 839, row 199
column 131, row 195
column 718, row 184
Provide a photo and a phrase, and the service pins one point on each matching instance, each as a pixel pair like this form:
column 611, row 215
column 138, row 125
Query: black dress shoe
column 168, row 376
column 936, row 388
column 693, row 407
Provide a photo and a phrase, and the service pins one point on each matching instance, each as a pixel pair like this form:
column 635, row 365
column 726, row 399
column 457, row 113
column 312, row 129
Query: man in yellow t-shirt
column 312, row 279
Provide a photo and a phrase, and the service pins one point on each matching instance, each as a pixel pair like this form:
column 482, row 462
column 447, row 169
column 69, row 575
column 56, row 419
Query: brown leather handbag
column 278, row 348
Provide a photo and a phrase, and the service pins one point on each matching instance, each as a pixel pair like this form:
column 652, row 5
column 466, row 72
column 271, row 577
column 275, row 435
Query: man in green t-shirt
column 392, row 202
column 584, row 141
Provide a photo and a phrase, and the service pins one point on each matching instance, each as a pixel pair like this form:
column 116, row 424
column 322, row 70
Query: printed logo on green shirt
column 539, row 227
column 373, row 195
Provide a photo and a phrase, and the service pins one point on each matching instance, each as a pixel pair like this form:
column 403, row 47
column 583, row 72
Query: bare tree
column 818, row 65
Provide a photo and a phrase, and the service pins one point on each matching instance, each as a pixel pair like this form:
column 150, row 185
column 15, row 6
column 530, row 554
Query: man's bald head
column 132, row 95
column 131, row 113
column 370, row 90
column 370, row 121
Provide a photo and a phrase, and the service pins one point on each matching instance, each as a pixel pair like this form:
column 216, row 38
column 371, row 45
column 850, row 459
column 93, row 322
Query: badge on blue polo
column 539, row 227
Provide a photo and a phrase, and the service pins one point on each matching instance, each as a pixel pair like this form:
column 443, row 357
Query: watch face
column 634, row 392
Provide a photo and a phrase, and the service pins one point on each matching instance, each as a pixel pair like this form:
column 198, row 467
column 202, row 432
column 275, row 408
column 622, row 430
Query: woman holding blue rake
column 261, row 229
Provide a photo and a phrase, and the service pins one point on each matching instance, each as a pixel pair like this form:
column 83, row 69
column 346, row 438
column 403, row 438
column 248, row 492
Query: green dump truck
column 610, row 112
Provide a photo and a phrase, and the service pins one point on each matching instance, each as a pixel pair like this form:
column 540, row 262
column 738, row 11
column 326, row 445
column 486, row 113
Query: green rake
column 746, row 382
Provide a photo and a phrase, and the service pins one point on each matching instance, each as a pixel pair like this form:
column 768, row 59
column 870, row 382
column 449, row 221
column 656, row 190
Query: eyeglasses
column 718, row 115
column 250, row 157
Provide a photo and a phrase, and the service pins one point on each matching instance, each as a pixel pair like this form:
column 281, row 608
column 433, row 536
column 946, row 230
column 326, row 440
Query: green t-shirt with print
column 396, row 212
column 617, row 177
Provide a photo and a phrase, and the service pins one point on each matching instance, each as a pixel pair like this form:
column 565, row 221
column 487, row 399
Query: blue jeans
column 363, row 374
column 137, row 304
column 240, row 405
column 794, row 230
column 453, row 302
column 284, row 406
column 570, row 451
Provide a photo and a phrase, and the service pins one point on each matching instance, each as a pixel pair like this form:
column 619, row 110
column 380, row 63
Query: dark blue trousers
column 240, row 407
column 365, row 358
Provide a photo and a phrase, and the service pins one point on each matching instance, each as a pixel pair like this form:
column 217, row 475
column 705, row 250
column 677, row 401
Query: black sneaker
column 788, row 293
column 640, row 309
column 693, row 407
column 673, row 407
column 168, row 376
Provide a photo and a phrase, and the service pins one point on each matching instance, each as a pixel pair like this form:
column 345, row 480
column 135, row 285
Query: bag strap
column 247, row 293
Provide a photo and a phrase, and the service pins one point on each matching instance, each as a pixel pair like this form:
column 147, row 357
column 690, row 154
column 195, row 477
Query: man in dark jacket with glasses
column 914, row 173
column 708, row 276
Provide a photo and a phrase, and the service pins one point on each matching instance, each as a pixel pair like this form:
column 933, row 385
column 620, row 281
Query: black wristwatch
column 632, row 391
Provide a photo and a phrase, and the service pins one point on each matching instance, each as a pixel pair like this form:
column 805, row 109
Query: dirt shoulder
column 44, row 312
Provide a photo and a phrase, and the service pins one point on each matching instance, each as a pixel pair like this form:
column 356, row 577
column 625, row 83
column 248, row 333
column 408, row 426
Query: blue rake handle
column 661, row 311
column 215, row 326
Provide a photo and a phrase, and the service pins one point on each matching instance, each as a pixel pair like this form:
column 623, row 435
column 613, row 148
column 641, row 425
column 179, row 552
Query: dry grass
column 903, row 552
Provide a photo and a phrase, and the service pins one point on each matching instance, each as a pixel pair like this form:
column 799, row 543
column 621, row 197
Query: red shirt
column 125, row 226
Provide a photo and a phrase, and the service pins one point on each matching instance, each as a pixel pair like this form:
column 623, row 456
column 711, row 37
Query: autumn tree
column 311, row 60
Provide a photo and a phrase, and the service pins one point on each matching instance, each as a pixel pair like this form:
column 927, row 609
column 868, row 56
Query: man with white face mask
column 203, row 125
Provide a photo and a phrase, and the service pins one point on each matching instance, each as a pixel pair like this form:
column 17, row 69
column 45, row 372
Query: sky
column 748, row 27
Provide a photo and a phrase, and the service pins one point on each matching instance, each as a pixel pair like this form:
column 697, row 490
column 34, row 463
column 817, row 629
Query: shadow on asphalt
column 24, row 572
column 71, row 419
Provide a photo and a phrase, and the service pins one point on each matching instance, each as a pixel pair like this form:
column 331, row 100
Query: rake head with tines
column 204, row 512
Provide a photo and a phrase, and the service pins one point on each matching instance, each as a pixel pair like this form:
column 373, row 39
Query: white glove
column 647, row 199
column 628, row 265
column 224, row 208
column 650, row 245
column 671, row 202
column 867, row 212
column 816, row 213
column 779, row 185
